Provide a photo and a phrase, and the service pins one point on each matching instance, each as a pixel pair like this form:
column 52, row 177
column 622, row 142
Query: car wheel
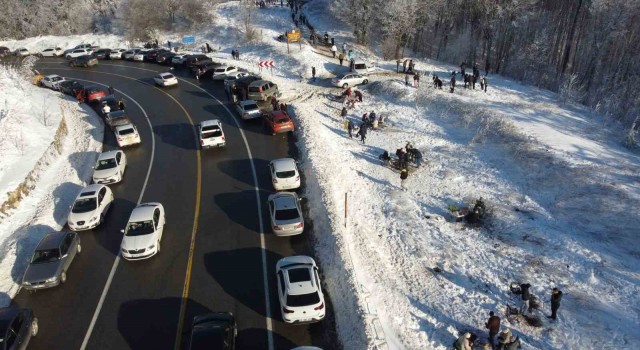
column 365, row 81
column 34, row 327
column 345, row 85
column 63, row 277
column 79, row 249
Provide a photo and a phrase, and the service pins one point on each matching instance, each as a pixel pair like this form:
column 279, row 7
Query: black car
column 165, row 57
column 214, row 331
column 83, row 61
column 109, row 101
column 205, row 69
column 17, row 326
column 102, row 54
column 192, row 60
column 70, row 87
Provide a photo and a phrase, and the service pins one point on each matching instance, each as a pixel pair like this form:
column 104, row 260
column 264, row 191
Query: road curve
column 141, row 309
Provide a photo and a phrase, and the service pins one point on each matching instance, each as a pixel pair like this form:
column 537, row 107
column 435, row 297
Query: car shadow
column 256, row 338
column 237, row 169
column 180, row 135
column 234, row 205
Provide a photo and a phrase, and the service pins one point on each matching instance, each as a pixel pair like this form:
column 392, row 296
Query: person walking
column 406, row 79
column 493, row 325
column 363, row 132
column 416, row 80
column 313, row 73
column 484, row 82
column 341, row 58
column 462, row 343
column 350, row 128
column 343, row 112
column 453, row 83
column 111, row 90
column 334, row 49
column 525, row 297
column 556, row 298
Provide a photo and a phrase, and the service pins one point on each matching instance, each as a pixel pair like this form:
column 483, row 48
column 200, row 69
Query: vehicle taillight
column 277, row 228
column 287, row 311
column 319, row 307
column 222, row 138
column 300, row 225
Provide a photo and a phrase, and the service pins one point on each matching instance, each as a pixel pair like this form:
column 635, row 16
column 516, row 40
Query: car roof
column 210, row 122
column 284, row 200
column 284, row 164
column 108, row 154
column 51, row 240
column 279, row 114
column 52, row 76
column 142, row 212
column 165, row 74
column 301, row 286
column 123, row 127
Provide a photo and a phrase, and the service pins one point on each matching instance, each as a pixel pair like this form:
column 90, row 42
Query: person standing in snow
column 344, row 48
column 556, row 298
column 525, row 297
column 363, row 132
column 343, row 112
column 406, row 79
column 514, row 344
column 453, row 83
column 411, row 66
column 341, row 58
column 404, row 66
column 484, row 82
column 334, row 49
column 462, row 343
column 169, row 44
column 326, row 38
column 493, row 325
column 313, row 73
column 463, row 67
column 208, row 47
column 350, row 129
column 503, row 339
column 358, row 95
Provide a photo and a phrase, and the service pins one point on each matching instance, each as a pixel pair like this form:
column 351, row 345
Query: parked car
column 4, row 51
column 51, row 260
column 179, row 59
column 52, row 81
column 216, row 330
column 248, row 109
column 52, row 52
column 70, row 87
column 83, row 61
column 90, row 207
column 165, row 57
column 127, row 135
column 143, row 232
column 234, row 76
column 77, row 53
column 261, row 90
column 299, row 290
column 153, row 54
column 165, row 79
column 204, row 69
column 117, row 118
column 284, row 174
column 221, row 72
column 193, row 60
column 349, row 79
column 22, row 52
column 93, row 94
column 285, row 213
column 116, row 54
column 17, row 326
column 102, row 54
column 139, row 56
column 277, row 122
column 363, row 68
column 128, row 55
column 110, row 167
column 211, row 134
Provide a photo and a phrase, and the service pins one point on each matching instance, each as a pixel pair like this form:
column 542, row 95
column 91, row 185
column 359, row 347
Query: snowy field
column 53, row 172
column 559, row 187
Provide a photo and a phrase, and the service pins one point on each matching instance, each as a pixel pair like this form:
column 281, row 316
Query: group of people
column 416, row 79
column 350, row 97
column 277, row 105
column 469, row 80
column 235, row 54
column 368, row 120
column 206, row 48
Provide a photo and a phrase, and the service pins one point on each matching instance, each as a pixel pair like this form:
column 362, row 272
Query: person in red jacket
column 493, row 325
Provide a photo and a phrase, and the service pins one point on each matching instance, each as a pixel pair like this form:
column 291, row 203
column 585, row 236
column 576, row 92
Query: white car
column 222, row 71
column 22, row 52
column 179, row 58
column 299, row 290
column 236, row 75
column 349, row 79
column 211, row 134
column 284, row 174
column 286, row 214
column 116, row 54
column 363, row 68
column 78, row 52
column 52, row 52
column 248, row 109
column 143, row 233
column 52, row 81
column 165, row 79
column 127, row 135
column 128, row 55
column 90, row 207
column 139, row 56
column 110, row 167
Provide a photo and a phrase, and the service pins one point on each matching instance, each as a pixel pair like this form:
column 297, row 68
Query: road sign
column 189, row 39
column 266, row 64
column 293, row 36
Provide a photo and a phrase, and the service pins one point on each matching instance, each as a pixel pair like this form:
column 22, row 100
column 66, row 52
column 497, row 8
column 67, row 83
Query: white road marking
column 118, row 258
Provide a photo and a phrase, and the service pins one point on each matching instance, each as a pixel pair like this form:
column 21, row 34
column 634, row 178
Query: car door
column 121, row 162
column 20, row 330
column 281, row 288
column 157, row 223
column 71, row 245
column 101, row 200
column 273, row 172
column 64, row 248
column 272, row 212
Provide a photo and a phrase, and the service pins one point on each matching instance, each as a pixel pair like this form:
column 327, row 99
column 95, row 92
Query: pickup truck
column 117, row 118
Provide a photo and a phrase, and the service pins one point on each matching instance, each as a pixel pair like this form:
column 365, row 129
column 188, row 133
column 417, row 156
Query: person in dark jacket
column 350, row 129
column 404, row 66
column 363, row 132
column 404, row 174
column 453, row 83
column 358, row 95
column 343, row 113
column 556, row 298
column 484, row 82
column 121, row 105
column 313, row 73
column 111, row 90
column 463, row 67
column 493, row 325
column 525, row 297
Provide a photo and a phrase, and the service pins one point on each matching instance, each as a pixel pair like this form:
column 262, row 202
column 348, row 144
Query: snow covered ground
column 52, row 168
column 560, row 189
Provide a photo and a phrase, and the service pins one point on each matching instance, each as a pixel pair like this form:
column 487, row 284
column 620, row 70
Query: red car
column 93, row 94
column 277, row 122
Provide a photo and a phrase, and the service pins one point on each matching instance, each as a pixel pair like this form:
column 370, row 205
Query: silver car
column 248, row 109
column 51, row 260
column 286, row 214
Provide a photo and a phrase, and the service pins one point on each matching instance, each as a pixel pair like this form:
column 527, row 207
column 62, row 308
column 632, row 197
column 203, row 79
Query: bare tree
column 247, row 16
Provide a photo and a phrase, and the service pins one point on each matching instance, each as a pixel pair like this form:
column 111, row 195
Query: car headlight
column 93, row 219
column 52, row 279
column 123, row 250
column 151, row 246
column 26, row 283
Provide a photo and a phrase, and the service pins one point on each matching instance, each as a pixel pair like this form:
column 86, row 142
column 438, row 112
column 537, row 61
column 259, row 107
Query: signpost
column 294, row 36
column 262, row 64
column 189, row 39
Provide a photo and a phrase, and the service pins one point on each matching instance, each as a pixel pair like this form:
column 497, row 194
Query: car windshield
column 303, row 299
column 212, row 133
column 282, row 120
column 139, row 228
column 106, row 164
column 285, row 174
column 287, row 214
column 168, row 76
column 250, row 107
column 84, row 205
column 126, row 131
column 45, row 256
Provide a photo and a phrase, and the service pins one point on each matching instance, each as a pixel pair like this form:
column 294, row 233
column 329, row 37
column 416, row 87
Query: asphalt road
column 142, row 306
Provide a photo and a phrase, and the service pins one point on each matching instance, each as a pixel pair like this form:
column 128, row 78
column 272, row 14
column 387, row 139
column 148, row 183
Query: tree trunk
column 568, row 46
